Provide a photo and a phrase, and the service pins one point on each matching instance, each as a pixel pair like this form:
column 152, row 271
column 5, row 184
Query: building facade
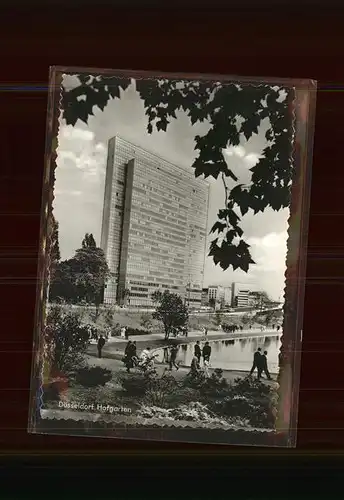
column 215, row 293
column 205, row 297
column 241, row 295
column 227, row 296
column 154, row 227
column 222, row 295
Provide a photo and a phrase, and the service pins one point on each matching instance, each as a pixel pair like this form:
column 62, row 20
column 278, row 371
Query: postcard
column 172, row 257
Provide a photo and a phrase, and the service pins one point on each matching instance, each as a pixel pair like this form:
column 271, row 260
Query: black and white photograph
column 175, row 218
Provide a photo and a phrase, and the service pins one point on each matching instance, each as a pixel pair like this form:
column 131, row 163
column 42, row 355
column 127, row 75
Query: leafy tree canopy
column 83, row 276
column 235, row 113
column 170, row 310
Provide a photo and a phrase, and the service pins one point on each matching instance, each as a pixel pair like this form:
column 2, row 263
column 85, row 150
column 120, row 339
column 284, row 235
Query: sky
column 80, row 179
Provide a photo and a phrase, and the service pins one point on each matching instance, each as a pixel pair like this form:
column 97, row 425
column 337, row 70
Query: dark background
column 283, row 42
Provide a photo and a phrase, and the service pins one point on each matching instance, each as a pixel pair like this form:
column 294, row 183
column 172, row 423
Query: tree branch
column 226, row 195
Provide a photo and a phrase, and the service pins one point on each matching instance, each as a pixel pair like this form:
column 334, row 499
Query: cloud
column 75, row 134
column 79, row 186
column 269, row 252
column 77, row 149
column 240, row 161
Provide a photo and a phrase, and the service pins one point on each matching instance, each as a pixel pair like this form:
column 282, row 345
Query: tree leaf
column 218, row 226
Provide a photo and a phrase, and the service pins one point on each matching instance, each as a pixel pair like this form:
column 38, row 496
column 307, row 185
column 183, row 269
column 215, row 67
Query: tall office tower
column 154, row 227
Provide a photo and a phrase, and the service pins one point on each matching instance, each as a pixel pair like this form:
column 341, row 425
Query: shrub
column 156, row 390
column 94, row 395
column 182, row 395
column 66, row 338
column 94, row 315
column 214, row 386
column 137, row 331
column 252, row 388
column 249, row 400
column 116, row 330
column 108, row 316
column 146, row 321
column 193, row 412
column 51, row 393
column 136, row 384
column 93, row 376
column 194, row 380
column 153, row 412
column 196, row 411
column 160, row 389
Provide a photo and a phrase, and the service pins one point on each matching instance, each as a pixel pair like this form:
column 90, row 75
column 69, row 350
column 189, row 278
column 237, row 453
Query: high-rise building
column 154, row 227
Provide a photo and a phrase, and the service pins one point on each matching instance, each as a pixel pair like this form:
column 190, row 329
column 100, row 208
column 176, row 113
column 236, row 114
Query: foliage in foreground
column 93, row 376
column 246, row 400
column 66, row 339
column 194, row 412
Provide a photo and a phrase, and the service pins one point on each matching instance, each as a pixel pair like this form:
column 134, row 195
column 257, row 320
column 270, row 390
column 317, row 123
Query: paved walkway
column 114, row 349
column 116, row 345
column 117, row 367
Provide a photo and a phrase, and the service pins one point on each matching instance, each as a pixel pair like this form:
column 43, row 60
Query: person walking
column 263, row 367
column 123, row 332
column 127, row 348
column 206, row 352
column 100, row 345
column 197, row 351
column 256, row 360
column 173, row 357
column 128, row 355
column 126, row 333
column 134, row 347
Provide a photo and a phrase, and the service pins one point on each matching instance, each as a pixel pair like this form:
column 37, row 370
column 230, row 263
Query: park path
column 114, row 349
column 116, row 345
column 117, row 367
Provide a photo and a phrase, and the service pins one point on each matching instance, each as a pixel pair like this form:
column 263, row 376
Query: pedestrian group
column 260, row 362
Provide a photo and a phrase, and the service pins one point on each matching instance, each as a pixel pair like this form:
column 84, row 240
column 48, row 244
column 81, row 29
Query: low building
column 222, row 295
column 215, row 293
column 227, row 296
column 204, row 297
column 240, row 295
